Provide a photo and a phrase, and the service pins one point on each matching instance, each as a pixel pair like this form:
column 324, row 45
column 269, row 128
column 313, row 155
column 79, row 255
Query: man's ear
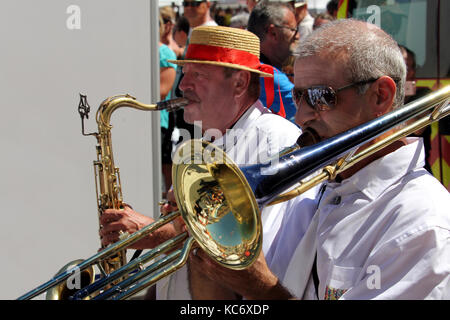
column 241, row 81
column 383, row 90
column 272, row 32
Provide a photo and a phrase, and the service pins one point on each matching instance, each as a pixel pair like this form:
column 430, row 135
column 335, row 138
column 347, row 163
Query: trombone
column 220, row 202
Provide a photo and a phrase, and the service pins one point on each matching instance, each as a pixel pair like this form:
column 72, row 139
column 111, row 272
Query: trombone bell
column 217, row 204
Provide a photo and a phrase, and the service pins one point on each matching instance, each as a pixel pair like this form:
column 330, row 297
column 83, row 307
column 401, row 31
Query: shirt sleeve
column 165, row 53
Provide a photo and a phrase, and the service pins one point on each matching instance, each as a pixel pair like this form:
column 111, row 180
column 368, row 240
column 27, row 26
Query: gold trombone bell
column 217, row 204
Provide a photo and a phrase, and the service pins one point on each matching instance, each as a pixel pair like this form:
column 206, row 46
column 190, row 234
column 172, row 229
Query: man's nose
column 184, row 83
column 305, row 113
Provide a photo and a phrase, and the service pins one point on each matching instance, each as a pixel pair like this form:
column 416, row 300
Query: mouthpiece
column 308, row 138
column 173, row 104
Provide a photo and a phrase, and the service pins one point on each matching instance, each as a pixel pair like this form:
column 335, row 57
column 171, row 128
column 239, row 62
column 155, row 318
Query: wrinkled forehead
column 319, row 70
column 192, row 67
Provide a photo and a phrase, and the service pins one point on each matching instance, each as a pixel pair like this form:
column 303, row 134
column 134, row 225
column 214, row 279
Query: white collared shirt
column 305, row 27
column 383, row 233
column 257, row 136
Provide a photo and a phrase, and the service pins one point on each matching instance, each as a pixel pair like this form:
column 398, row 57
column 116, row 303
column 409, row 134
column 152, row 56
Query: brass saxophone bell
column 78, row 280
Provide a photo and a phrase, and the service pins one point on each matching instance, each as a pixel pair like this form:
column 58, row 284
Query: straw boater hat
column 227, row 47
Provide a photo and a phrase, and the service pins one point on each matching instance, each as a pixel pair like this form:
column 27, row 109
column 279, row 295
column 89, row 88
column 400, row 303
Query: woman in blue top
column 167, row 78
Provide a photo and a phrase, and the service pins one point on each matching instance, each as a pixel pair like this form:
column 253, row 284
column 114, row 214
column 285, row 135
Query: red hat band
column 222, row 55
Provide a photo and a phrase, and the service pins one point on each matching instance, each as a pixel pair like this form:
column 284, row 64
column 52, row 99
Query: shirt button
column 337, row 200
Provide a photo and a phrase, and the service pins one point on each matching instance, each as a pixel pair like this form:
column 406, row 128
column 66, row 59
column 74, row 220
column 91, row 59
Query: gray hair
column 264, row 14
column 240, row 20
column 367, row 51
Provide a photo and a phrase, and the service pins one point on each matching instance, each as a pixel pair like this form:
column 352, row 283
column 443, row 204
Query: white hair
column 367, row 51
column 240, row 20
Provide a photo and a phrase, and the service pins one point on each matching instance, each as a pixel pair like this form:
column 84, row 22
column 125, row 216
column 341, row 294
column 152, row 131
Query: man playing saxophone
column 221, row 81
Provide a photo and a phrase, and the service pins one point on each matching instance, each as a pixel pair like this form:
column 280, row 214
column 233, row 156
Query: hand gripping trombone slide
column 220, row 202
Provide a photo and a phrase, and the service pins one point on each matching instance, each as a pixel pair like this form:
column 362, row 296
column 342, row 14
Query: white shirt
column 383, row 233
column 257, row 136
column 209, row 23
column 296, row 220
column 305, row 27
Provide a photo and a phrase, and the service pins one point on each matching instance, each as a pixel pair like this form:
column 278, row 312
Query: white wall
column 47, row 191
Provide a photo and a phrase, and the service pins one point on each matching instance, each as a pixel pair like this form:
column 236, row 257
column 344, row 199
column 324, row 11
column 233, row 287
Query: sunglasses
column 322, row 98
column 294, row 30
column 192, row 3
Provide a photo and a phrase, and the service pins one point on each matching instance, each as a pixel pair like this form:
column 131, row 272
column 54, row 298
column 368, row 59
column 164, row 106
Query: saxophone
column 107, row 180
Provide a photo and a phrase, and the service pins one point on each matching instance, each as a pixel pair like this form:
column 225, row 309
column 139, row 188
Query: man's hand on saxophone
column 169, row 206
column 115, row 221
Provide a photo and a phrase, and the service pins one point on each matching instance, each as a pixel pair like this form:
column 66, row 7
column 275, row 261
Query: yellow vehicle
column 423, row 27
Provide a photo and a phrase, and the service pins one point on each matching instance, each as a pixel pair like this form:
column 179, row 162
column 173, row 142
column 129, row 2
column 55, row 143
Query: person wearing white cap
column 304, row 19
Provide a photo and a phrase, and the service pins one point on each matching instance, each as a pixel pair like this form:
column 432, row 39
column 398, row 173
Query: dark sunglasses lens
column 321, row 98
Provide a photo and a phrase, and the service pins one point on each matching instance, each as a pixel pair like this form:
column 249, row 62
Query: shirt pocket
column 340, row 279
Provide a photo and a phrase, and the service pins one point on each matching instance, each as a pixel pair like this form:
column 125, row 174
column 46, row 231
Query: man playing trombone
column 381, row 228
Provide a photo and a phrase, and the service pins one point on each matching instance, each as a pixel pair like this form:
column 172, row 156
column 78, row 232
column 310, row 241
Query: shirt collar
column 376, row 177
column 245, row 120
